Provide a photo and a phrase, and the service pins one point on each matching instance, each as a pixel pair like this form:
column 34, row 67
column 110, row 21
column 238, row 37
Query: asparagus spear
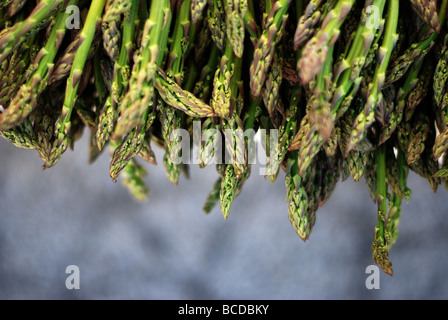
column 286, row 132
column 307, row 22
column 271, row 91
column 316, row 50
column 230, row 188
column 133, row 175
column 381, row 237
column 169, row 117
column 109, row 113
column 15, row 72
column 21, row 136
column 110, row 25
column 216, row 23
column 235, row 12
column 394, row 212
column 213, row 196
column 79, row 60
column 181, row 99
column 197, row 8
column 264, row 50
column 365, row 119
column 417, row 138
column 141, row 84
column 297, row 199
column 427, row 10
column 14, row 6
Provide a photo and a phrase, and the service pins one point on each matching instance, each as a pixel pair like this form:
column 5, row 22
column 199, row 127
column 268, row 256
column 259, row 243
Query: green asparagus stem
column 86, row 38
column 264, row 50
column 364, row 120
column 381, row 237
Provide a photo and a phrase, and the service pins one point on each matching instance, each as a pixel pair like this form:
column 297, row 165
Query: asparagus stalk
column 197, row 8
column 79, row 60
column 381, row 237
column 297, row 199
column 316, row 50
column 427, row 10
column 109, row 113
column 110, row 25
column 264, row 50
column 169, row 117
column 213, row 196
column 365, row 119
column 141, row 84
column 216, row 23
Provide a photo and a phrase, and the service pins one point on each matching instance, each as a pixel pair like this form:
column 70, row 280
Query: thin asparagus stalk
column 15, row 6
column 225, row 83
column 14, row 74
column 400, row 104
column 235, row 12
column 303, row 196
column 349, row 73
column 21, row 136
column 365, row 119
column 230, row 188
column 306, row 25
column 110, row 25
column 381, row 238
column 417, row 138
column 271, row 90
column 402, row 192
column 86, row 38
column 264, row 50
column 133, row 178
column 169, row 117
column 141, row 84
column 109, row 113
column 210, row 145
column 236, row 145
column 420, row 91
column 213, row 196
column 427, row 10
column 216, row 23
column 315, row 51
column 181, row 99
column 320, row 121
column 251, row 24
column 285, row 134
column 396, row 174
column 197, row 8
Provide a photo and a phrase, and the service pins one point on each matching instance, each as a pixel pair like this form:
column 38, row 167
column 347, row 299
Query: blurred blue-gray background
column 167, row 248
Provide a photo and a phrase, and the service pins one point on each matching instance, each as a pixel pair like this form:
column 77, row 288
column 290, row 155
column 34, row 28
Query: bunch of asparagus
column 352, row 88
